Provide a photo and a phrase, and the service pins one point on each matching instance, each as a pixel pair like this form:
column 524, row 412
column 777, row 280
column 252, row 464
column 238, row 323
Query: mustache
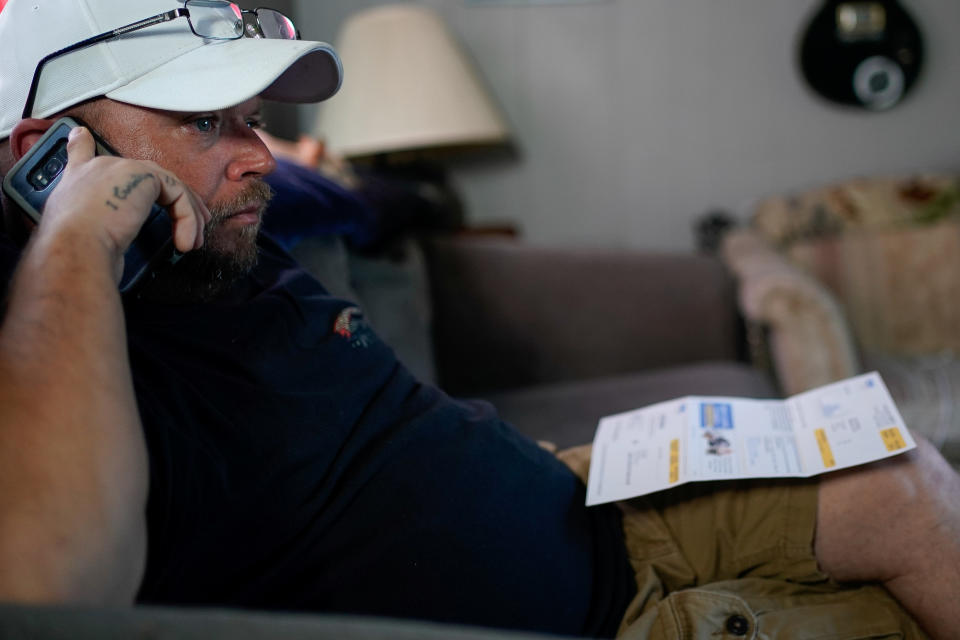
column 257, row 192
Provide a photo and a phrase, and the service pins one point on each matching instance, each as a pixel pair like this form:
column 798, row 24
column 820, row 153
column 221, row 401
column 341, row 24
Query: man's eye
column 204, row 125
column 253, row 123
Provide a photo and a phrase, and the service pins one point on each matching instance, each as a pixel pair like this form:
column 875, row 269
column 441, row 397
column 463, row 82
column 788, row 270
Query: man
column 232, row 435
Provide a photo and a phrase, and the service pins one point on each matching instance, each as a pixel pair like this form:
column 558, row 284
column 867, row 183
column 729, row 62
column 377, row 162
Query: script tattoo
column 121, row 193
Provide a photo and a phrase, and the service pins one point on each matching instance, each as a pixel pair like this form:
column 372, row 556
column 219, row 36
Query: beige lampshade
column 407, row 86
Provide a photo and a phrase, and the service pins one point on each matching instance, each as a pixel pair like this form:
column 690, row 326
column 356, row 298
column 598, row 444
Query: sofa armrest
column 508, row 314
column 77, row 622
column 809, row 338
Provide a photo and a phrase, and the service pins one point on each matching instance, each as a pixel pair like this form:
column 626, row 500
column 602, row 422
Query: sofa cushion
column 509, row 315
column 567, row 413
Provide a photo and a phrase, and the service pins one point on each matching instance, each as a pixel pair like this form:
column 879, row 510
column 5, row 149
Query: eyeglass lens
column 223, row 20
column 215, row 19
column 276, row 25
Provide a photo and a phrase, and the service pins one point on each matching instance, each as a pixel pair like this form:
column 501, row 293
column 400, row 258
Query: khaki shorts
column 735, row 560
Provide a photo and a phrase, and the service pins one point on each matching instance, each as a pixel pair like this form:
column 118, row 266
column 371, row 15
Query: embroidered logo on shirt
column 350, row 326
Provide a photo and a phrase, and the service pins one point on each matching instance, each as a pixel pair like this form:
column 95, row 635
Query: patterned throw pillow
column 857, row 204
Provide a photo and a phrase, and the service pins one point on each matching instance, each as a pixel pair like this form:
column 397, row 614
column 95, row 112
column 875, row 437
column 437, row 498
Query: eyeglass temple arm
column 89, row 42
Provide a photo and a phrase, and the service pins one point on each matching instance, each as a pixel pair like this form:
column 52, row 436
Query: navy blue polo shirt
column 296, row 465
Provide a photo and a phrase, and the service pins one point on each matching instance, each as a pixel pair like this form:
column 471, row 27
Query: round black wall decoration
column 864, row 54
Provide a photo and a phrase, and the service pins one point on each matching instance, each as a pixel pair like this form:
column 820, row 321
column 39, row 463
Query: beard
column 227, row 254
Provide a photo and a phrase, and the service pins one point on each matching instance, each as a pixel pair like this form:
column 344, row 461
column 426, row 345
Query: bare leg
column 897, row 522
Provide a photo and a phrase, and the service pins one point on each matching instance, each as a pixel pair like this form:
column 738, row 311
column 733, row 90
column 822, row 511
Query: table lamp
column 410, row 97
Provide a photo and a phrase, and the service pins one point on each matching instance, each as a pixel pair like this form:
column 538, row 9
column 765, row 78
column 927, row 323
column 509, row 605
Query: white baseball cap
column 164, row 66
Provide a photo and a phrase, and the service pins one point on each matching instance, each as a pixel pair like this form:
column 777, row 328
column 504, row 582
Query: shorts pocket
column 756, row 609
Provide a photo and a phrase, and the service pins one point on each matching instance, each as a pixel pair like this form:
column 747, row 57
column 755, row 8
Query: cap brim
column 219, row 75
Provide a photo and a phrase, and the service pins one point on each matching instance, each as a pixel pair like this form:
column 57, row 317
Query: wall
column 633, row 117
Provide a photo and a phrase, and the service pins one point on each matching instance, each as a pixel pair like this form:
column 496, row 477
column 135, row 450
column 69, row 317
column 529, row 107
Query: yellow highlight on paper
column 674, row 461
column 892, row 439
column 825, row 452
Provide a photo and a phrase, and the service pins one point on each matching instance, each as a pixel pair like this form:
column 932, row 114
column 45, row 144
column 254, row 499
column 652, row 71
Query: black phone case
column 27, row 185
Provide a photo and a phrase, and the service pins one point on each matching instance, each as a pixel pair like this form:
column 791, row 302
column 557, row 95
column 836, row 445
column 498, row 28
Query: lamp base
column 410, row 197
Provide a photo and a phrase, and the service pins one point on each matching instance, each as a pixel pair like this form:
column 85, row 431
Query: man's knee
column 881, row 521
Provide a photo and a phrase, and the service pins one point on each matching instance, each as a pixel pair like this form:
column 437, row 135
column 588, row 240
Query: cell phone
column 34, row 177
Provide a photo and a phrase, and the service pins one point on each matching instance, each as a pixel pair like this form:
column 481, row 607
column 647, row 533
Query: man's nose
column 252, row 159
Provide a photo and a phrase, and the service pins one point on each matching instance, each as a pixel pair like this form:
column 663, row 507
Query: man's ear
column 26, row 133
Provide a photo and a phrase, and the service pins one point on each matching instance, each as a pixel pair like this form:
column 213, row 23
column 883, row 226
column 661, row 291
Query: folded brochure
column 699, row 438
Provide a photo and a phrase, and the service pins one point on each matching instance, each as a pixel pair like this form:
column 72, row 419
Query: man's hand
column 110, row 198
